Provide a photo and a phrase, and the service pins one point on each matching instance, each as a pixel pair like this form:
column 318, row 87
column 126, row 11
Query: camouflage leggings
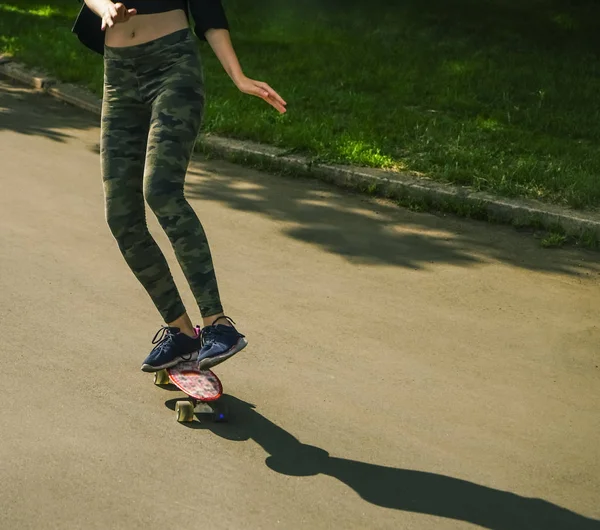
column 151, row 114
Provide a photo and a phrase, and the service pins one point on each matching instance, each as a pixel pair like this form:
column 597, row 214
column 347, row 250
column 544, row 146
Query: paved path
column 405, row 371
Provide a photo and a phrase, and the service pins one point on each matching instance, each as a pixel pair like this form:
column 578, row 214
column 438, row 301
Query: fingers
column 271, row 93
column 107, row 22
column 275, row 103
column 265, row 92
column 123, row 13
column 128, row 14
column 108, row 19
column 278, row 107
column 116, row 13
column 119, row 9
column 113, row 11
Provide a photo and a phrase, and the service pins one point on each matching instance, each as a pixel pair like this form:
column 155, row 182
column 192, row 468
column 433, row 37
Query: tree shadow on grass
column 373, row 232
column 545, row 23
column 399, row 489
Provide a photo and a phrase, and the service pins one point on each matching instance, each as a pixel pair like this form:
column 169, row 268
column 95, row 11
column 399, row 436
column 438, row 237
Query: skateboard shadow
column 400, row 489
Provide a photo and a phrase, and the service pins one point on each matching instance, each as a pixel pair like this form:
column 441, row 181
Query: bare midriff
column 145, row 28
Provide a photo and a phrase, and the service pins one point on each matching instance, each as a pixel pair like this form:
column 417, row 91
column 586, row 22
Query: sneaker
column 219, row 343
column 172, row 347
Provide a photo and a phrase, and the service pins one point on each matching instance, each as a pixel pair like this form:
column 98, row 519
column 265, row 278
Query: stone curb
column 402, row 187
column 25, row 76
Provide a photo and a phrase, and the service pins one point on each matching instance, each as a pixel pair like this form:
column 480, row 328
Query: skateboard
column 202, row 388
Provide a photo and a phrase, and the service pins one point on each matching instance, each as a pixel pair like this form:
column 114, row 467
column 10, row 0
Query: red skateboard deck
column 203, row 386
column 203, row 389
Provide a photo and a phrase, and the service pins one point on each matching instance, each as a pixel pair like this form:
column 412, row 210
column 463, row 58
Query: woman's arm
column 220, row 41
column 98, row 6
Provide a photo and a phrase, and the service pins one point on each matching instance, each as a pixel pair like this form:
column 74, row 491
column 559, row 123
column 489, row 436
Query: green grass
column 554, row 240
column 500, row 95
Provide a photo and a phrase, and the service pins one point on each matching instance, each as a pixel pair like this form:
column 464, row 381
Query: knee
column 117, row 218
column 164, row 201
column 125, row 224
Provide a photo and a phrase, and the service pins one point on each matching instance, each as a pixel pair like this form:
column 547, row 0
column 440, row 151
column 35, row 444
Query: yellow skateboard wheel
column 161, row 378
column 184, row 411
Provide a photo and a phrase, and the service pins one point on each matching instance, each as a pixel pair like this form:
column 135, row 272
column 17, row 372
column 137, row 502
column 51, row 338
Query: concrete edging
column 402, row 187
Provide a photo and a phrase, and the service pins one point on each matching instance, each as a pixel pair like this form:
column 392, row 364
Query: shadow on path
column 360, row 229
column 399, row 489
column 35, row 113
column 372, row 232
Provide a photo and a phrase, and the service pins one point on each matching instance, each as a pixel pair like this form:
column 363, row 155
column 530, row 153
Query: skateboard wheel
column 161, row 378
column 184, row 411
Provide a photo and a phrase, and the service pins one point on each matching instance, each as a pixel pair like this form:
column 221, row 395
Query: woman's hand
column 116, row 13
column 263, row 91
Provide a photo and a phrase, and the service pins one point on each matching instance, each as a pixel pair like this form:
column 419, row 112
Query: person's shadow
column 401, row 489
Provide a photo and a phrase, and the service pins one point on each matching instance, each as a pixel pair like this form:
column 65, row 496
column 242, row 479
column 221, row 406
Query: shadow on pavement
column 358, row 228
column 399, row 489
column 374, row 232
column 36, row 113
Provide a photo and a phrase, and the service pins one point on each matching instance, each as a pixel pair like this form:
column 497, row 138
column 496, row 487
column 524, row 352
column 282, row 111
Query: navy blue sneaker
column 172, row 347
column 219, row 343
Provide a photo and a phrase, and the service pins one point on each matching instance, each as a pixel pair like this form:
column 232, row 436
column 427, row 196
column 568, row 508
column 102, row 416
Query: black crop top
column 148, row 7
column 207, row 14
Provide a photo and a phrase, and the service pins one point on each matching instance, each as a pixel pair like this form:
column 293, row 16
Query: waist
column 141, row 29
column 171, row 44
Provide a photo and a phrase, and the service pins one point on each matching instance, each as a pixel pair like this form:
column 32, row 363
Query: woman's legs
column 125, row 124
column 152, row 113
column 177, row 97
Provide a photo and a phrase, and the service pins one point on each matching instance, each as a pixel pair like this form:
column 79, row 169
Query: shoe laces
column 210, row 333
column 163, row 335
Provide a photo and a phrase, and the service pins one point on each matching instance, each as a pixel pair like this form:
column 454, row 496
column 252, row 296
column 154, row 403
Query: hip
column 146, row 69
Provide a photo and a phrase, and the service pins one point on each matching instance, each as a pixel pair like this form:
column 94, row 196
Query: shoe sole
column 210, row 362
column 149, row 368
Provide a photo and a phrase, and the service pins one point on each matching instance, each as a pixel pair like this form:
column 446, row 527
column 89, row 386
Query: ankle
column 220, row 320
column 194, row 333
column 185, row 326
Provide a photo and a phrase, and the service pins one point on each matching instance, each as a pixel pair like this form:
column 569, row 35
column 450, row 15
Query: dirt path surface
column 405, row 371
